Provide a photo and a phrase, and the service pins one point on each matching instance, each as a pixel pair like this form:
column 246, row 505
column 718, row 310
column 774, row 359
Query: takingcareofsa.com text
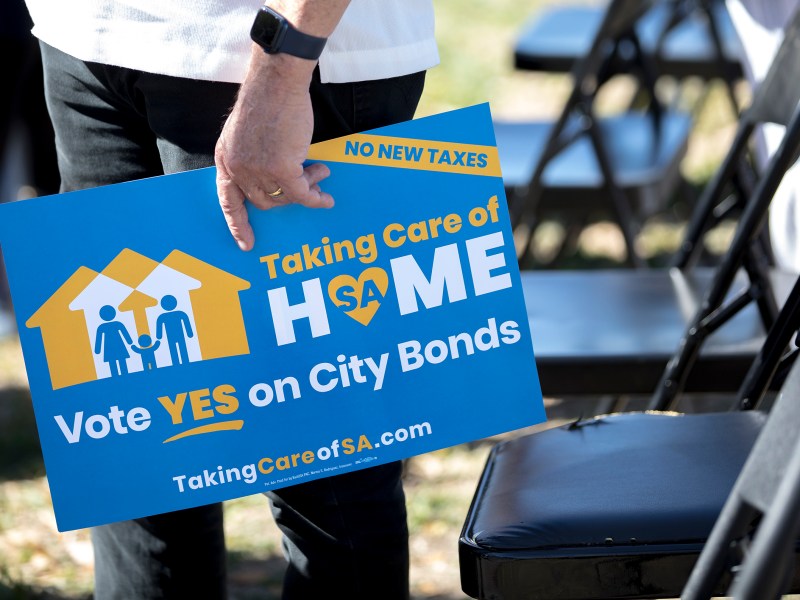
column 299, row 464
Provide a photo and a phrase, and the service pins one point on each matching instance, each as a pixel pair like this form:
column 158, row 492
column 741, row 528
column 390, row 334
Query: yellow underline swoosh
column 226, row 426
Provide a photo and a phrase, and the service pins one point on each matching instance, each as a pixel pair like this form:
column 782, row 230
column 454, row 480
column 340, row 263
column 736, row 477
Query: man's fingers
column 303, row 190
column 313, row 197
column 316, row 172
column 306, row 190
column 231, row 200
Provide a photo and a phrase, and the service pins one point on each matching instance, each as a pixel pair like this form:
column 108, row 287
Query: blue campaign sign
column 169, row 369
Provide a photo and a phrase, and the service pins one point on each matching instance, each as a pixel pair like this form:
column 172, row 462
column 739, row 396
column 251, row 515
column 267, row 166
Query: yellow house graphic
column 139, row 314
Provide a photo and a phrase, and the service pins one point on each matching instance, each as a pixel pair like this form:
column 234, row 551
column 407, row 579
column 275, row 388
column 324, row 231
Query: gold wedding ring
column 277, row 193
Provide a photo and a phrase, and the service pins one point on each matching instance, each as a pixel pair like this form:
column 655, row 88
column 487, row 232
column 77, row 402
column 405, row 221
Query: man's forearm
column 314, row 17
column 265, row 141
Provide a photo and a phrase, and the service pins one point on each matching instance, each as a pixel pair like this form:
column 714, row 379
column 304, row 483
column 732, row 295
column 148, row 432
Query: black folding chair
column 625, row 165
column 687, row 38
column 614, row 331
column 622, row 505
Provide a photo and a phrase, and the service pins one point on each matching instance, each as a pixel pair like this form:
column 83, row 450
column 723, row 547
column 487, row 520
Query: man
column 140, row 88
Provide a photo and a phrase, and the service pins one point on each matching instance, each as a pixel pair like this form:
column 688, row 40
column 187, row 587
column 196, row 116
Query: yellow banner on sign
column 406, row 153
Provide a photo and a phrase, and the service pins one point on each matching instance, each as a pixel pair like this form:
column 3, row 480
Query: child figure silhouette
column 147, row 350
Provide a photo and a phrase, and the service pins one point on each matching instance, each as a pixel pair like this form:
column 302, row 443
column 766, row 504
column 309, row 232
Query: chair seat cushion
column 623, row 479
column 612, row 331
column 553, row 507
column 640, row 153
column 559, row 35
column 556, row 37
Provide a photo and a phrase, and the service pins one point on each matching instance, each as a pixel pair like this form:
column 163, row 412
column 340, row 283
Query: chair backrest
column 769, row 561
column 711, row 11
column 615, row 43
column 618, row 23
column 773, row 101
column 776, row 98
column 763, row 509
column 718, row 306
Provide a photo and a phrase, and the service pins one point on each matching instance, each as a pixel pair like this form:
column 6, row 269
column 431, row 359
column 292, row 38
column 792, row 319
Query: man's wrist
column 275, row 34
column 288, row 73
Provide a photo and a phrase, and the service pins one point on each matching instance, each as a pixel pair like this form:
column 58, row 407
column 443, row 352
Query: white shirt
column 210, row 39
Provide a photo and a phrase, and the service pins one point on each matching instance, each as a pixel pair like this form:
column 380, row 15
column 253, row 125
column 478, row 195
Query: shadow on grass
column 20, row 452
column 262, row 578
column 16, row 591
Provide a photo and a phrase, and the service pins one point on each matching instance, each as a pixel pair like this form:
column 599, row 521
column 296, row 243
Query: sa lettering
column 348, row 297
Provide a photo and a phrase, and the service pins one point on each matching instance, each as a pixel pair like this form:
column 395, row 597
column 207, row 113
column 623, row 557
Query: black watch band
column 276, row 35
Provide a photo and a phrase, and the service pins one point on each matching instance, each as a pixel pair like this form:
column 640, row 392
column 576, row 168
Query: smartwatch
column 276, row 35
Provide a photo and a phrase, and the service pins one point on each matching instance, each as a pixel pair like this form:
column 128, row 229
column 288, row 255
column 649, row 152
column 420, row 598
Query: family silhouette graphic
column 113, row 339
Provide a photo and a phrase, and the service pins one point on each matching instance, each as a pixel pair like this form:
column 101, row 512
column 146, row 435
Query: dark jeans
column 343, row 536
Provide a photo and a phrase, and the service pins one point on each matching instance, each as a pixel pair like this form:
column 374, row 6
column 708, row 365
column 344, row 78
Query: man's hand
column 266, row 138
column 264, row 143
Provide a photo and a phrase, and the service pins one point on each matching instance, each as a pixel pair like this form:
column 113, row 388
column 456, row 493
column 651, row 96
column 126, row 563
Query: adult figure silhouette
column 112, row 338
column 175, row 324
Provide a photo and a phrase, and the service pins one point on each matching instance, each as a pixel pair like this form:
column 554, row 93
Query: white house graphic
column 139, row 314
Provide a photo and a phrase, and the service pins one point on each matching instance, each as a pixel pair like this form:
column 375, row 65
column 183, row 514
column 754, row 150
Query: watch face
column 273, row 33
column 268, row 29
